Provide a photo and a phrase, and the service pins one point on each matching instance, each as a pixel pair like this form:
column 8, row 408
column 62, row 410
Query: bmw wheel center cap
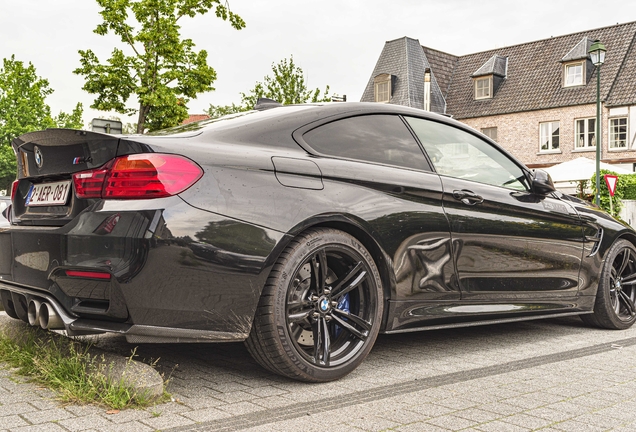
column 324, row 304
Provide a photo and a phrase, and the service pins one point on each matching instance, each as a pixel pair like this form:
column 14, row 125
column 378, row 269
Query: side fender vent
column 597, row 241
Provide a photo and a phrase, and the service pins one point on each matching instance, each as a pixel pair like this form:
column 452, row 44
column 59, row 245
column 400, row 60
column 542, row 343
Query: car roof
column 299, row 115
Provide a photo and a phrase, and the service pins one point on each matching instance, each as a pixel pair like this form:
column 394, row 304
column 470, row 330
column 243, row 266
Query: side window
column 456, row 153
column 374, row 138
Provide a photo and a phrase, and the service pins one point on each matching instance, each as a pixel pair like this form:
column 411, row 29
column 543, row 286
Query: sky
column 335, row 42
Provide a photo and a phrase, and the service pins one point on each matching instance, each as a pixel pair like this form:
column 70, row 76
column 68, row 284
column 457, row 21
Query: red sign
column 610, row 181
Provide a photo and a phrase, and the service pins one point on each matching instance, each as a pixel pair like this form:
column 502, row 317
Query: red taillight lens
column 14, row 189
column 89, row 184
column 139, row 176
column 87, row 274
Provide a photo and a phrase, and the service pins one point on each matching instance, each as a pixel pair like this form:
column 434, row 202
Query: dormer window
column 577, row 67
column 382, row 87
column 489, row 77
column 483, row 87
column 574, row 74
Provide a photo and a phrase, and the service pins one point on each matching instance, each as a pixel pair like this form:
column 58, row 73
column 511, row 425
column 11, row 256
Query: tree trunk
column 141, row 120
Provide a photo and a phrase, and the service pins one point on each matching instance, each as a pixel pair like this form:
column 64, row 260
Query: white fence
column 628, row 212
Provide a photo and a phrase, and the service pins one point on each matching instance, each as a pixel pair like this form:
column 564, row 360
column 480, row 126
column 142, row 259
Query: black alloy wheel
column 320, row 311
column 616, row 297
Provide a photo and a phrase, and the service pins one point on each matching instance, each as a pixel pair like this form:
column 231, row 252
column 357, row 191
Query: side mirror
column 542, row 182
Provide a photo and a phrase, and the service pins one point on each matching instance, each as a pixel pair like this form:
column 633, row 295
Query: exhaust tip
column 49, row 319
column 33, row 312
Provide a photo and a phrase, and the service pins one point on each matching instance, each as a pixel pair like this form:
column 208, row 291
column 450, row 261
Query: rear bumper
column 174, row 273
column 21, row 298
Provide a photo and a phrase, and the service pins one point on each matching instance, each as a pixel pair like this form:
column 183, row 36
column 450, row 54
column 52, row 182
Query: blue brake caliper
column 343, row 305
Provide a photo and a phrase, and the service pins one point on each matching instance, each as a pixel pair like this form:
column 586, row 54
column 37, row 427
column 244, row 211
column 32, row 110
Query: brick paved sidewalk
column 548, row 375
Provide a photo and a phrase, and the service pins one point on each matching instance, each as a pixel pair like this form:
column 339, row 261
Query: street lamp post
column 597, row 55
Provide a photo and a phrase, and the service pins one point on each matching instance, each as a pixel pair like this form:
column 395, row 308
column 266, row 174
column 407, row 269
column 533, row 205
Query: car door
column 509, row 243
column 375, row 169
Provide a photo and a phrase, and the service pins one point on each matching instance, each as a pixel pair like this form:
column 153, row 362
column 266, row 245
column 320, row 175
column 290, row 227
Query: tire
column 614, row 307
column 321, row 308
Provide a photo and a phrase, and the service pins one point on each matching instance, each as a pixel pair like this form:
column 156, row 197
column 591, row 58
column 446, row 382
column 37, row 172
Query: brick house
column 536, row 99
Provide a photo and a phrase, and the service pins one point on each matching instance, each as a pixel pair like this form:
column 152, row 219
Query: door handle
column 468, row 197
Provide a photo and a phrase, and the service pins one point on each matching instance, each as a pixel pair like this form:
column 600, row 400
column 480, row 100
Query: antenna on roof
column 265, row 103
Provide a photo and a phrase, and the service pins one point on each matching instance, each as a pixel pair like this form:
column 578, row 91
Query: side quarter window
column 382, row 139
column 459, row 154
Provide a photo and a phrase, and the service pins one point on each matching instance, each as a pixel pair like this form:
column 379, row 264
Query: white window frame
column 549, row 136
column 385, row 92
column 612, row 134
column 578, row 79
column 485, row 92
column 591, row 144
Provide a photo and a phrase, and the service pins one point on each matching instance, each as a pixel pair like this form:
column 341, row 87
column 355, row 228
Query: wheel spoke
column 322, row 342
column 626, row 257
column 299, row 304
column 351, row 329
column 326, row 345
column 627, row 302
column 299, row 310
column 342, row 290
column 299, row 316
column 347, row 277
column 356, row 319
column 629, row 280
column 319, row 270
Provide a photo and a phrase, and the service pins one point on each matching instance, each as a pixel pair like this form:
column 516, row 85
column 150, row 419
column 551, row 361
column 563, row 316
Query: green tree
column 287, row 86
column 161, row 69
column 72, row 120
column 23, row 109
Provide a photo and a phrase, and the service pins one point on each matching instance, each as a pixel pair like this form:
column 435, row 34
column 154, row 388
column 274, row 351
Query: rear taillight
column 147, row 175
column 14, row 189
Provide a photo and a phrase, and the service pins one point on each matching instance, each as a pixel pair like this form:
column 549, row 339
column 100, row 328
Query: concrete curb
column 139, row 378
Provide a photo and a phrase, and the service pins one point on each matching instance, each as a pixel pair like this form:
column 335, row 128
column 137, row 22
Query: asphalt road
column 550, row 375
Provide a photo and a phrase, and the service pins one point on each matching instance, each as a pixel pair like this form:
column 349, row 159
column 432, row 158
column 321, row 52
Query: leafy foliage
column 605, row 196
column 23, row 109
column 629, row 186
column 160, row 67
column 287, row 86
column 220, row 110
column 72, row 120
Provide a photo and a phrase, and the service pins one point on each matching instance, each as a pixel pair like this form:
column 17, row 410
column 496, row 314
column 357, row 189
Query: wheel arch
column 629, row 236
column 362, row 232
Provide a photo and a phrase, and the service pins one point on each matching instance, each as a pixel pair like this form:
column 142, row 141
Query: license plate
column 48, row 194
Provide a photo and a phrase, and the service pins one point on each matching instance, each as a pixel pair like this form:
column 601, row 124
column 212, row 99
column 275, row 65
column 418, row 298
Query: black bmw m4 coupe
column 304, row 231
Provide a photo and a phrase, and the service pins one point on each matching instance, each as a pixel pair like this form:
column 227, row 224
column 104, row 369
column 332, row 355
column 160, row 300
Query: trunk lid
column 50, row 157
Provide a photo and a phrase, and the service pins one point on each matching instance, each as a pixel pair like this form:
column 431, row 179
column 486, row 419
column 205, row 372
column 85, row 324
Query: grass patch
column 67, row 367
